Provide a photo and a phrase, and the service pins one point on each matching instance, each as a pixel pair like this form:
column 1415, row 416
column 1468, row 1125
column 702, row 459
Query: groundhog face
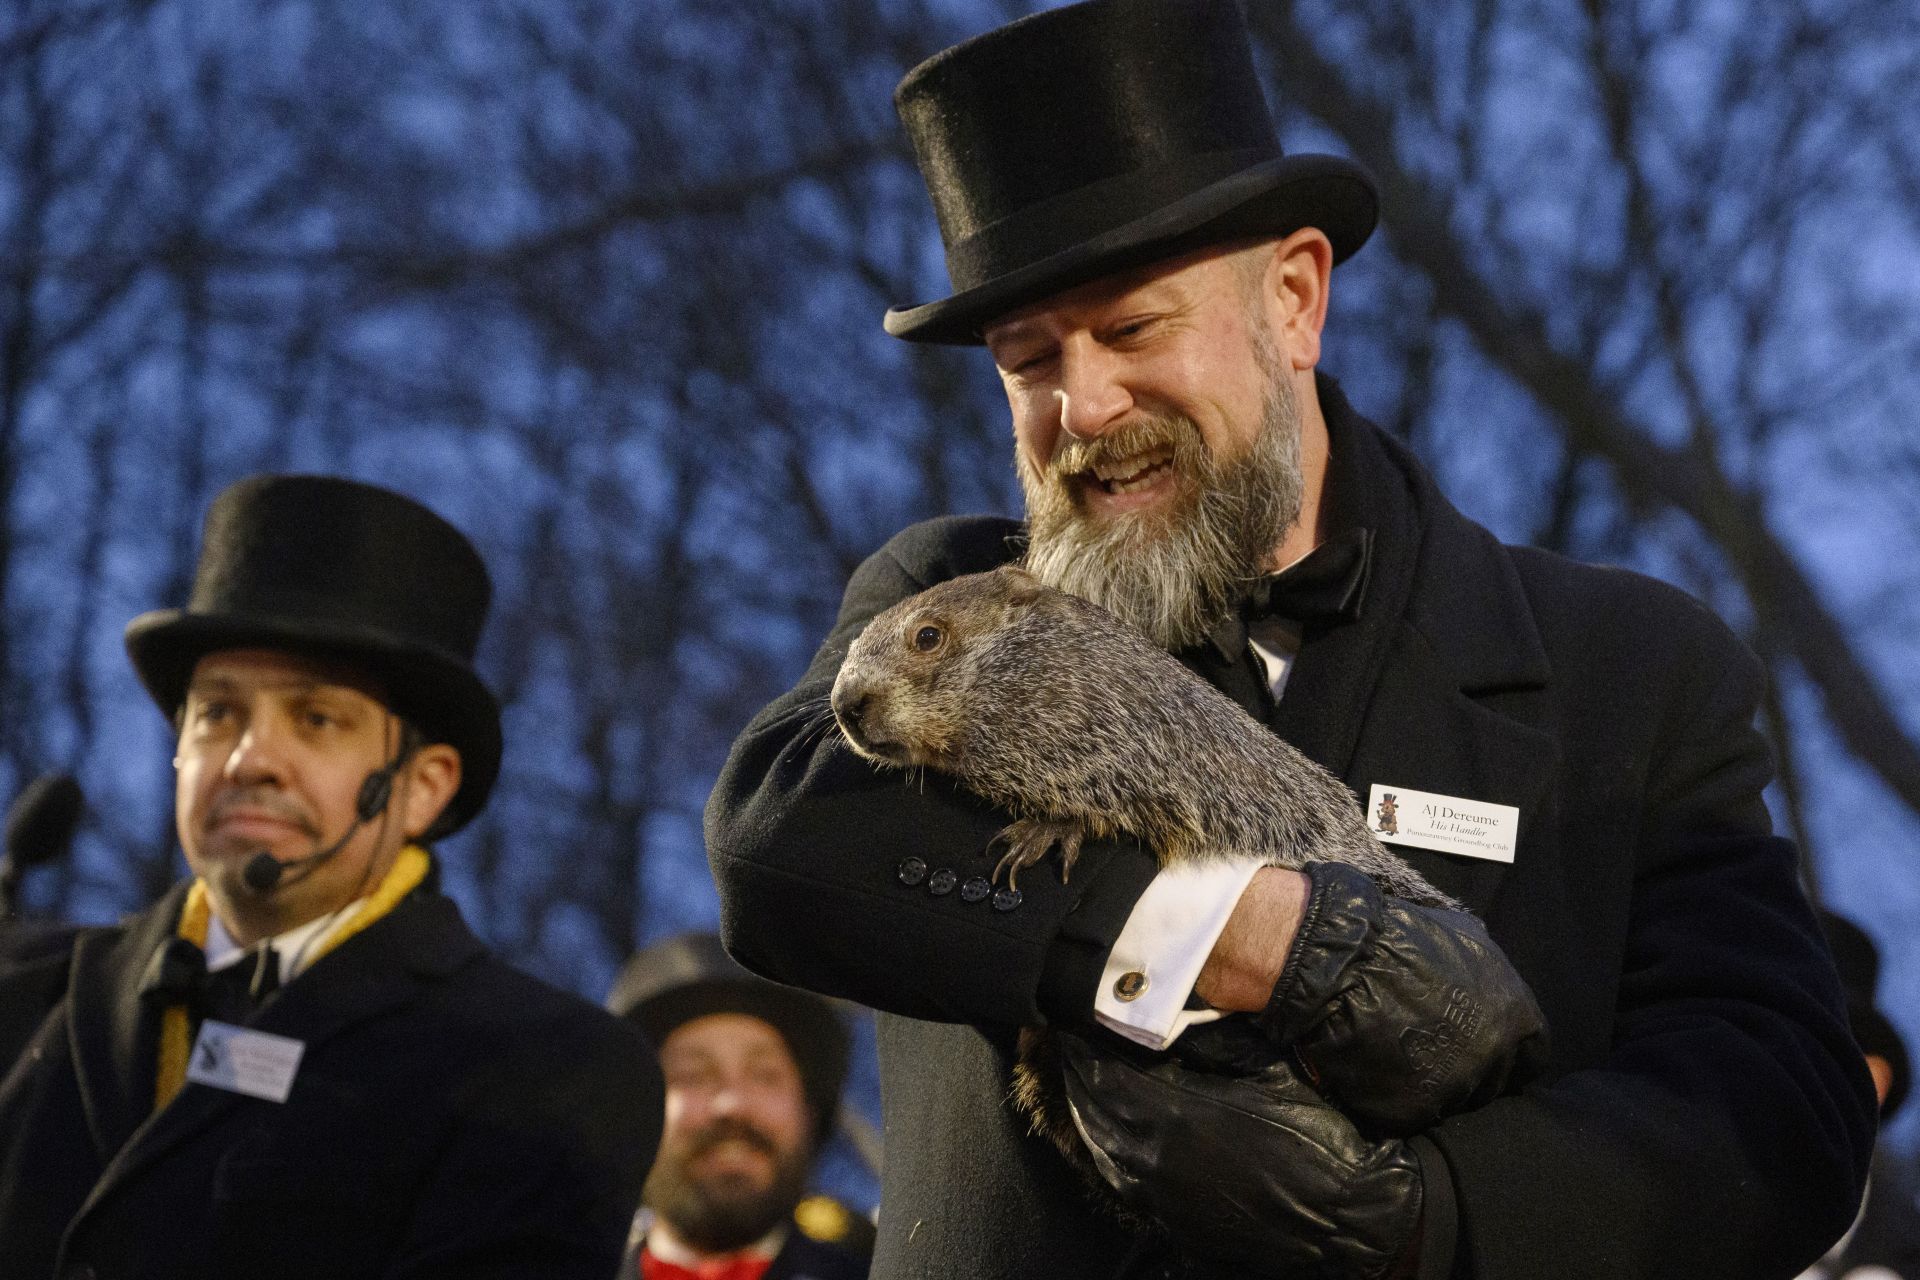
column 902, row 694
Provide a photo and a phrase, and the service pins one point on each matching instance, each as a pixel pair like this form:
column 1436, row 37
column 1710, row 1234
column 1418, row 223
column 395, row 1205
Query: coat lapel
column 372, row 973
column 1424, row 732
column 114, row 1032
column 1416, row 693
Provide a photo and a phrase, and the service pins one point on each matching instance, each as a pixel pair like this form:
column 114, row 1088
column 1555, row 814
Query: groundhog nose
column 850, row 704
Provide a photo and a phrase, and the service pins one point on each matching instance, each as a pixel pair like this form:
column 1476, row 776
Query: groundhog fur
column 1053, row 709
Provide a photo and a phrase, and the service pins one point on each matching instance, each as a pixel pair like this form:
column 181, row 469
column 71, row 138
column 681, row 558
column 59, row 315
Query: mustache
column 728, row 1129
column 1074, row 456
column 266, row 801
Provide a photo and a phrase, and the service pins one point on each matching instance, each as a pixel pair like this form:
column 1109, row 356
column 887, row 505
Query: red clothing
column 739, row 1266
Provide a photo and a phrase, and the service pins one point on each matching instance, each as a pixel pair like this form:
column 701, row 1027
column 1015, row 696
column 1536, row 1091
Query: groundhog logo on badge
column 1389, row 815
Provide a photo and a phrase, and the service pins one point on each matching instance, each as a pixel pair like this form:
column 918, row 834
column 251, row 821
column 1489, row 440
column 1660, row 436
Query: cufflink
column 1130, row 986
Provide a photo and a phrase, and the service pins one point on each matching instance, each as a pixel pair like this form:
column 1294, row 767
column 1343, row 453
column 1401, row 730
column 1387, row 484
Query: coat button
column 975, row 889
column 1007, row 899
column 911, row 871
column 942, row 881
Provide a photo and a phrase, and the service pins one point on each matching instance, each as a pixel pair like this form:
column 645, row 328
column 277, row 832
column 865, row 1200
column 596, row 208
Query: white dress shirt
column 1150, row 972
column 296, row 948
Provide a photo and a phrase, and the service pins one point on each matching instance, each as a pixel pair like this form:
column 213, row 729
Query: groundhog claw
column 1028, row 840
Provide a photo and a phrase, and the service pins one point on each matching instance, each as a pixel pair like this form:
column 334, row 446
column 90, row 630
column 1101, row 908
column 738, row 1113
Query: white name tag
column 1449, row 824
column 256, row 1063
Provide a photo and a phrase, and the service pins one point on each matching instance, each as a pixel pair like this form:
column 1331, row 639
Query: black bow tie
column 1328, row 584
column 178, row 974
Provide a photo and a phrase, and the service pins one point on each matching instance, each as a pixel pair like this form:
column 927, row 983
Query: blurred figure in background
column 1884, row 1243
column 300, row 1062
column 753, row 1073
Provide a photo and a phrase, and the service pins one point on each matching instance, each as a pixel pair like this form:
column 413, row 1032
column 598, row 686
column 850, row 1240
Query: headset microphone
column 263, row 871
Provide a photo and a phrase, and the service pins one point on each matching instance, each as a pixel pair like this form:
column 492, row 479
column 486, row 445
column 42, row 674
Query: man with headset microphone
column 300, row 1062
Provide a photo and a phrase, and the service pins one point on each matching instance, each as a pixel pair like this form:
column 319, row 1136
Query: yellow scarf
column 408, row 870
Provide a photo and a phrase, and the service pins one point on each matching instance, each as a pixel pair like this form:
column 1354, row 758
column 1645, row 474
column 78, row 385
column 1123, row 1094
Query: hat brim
column 1274, row 198
column 815, row 1035
column 437, row 693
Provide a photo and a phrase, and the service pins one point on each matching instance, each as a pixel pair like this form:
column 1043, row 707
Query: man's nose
column 726, row 1100
column 257, row 754
column 1093, row 395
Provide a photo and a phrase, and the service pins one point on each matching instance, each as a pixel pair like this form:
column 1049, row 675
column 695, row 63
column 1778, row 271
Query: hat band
column 1054, row 225
column 295, row 608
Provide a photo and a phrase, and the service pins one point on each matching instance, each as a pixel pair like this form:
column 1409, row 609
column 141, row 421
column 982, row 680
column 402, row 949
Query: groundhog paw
column 1028, row 840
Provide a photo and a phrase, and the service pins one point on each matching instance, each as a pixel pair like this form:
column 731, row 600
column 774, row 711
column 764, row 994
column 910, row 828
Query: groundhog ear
column 1022, row 586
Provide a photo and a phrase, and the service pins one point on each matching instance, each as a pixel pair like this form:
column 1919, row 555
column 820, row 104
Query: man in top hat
column 1150, row 275
column 753, row 1073
column 300, row 1062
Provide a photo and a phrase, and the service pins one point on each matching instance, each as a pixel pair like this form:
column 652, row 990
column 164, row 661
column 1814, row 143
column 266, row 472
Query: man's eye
column 321, row 717
column 1032, row 366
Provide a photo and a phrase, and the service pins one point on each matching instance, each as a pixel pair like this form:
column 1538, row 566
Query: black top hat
column 1099, row 137
column 691, row 976
column 1858, row 962
column 340, row 570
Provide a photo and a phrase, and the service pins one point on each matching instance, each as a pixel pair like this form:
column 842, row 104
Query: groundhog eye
column 926, row 639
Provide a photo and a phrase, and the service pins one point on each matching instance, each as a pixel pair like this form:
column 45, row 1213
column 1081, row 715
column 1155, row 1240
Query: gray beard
column 1174, row 573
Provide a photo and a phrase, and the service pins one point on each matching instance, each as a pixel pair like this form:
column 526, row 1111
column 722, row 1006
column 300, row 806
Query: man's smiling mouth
column 1130, row 475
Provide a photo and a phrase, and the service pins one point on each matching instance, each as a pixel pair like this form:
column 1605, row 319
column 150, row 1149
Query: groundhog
column 1054, row 709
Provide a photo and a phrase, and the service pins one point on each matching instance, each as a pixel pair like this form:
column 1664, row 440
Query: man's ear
column 1295, row 293
column 433, row 778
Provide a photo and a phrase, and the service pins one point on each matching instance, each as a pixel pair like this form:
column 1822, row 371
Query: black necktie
column 178, row 974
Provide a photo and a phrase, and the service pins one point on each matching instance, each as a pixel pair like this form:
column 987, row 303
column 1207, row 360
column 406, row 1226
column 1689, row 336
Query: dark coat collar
column 1461, row 586
column 1402, row 696
column 115, row 1033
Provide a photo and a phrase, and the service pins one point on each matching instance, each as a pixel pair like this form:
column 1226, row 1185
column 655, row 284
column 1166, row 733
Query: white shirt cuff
column 1151, row 970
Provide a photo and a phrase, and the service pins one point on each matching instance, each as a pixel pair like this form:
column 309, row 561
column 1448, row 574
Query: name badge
column 1447, row 824
column 256, row 1063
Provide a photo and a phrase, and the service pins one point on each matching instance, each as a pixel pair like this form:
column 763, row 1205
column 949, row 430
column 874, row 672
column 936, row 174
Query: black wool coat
column 34, row 956
column 801, row 1258
column 1705, row 1113
column 451, row 1117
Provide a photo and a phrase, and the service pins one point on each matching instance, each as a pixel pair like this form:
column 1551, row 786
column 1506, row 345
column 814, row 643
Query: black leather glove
column 1401, row 1014
column 1255, row 1173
